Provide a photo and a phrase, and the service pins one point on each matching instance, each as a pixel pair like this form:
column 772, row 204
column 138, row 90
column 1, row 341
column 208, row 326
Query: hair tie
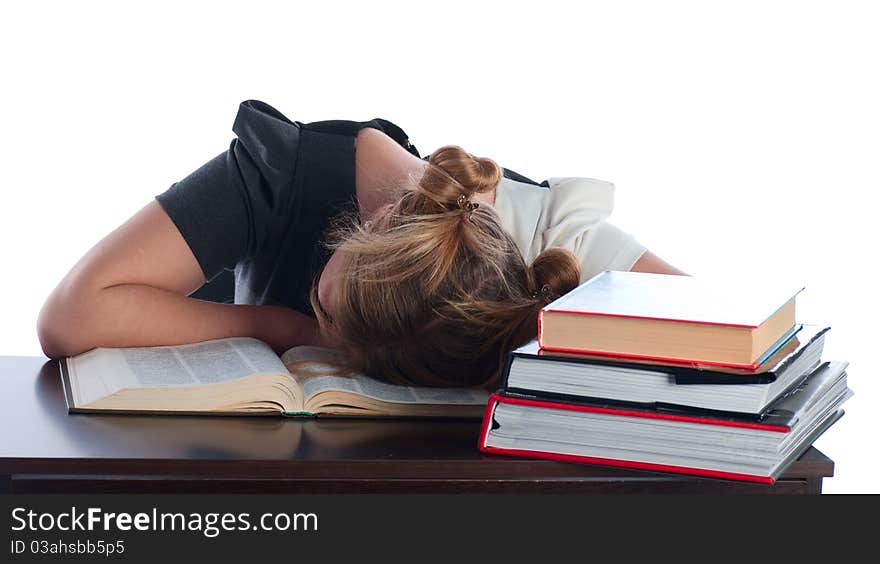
column 543, row 293
column 465, row 204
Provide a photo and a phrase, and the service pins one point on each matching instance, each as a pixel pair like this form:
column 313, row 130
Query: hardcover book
column 670, row 318
column 530, row 370
column 719, row 445
column 244, row 376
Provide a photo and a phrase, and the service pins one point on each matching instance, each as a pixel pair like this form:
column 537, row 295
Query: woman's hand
column 649, row 262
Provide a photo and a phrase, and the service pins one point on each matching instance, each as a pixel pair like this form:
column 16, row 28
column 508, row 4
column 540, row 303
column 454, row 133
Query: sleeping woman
column 425, row 271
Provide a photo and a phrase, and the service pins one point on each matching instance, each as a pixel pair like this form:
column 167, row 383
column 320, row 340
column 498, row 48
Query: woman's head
column 432, row 291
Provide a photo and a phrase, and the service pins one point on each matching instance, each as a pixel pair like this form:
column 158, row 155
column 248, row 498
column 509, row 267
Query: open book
column 244, row 376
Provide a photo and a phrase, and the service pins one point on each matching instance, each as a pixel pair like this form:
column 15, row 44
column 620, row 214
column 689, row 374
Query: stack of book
column 669, row 373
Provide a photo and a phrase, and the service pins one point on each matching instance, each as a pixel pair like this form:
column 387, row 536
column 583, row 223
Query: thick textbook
column 670, row 318
column 244, row 376
column 717, row 445
column 530, row 370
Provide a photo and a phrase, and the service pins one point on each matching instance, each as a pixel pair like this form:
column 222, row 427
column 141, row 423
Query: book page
column 208, row 362
column 319, row 369
column 327, row 359
column 372, row 388
column 103, row 371
column 98, row 373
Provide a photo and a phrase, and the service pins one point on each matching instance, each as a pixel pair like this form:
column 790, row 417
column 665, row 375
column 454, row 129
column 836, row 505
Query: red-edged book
column 729, row 322
column 698, row 442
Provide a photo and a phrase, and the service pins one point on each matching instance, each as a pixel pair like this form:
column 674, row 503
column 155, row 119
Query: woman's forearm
column 129, row 315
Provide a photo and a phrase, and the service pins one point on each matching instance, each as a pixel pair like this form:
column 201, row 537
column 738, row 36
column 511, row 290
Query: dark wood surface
column 45, row 449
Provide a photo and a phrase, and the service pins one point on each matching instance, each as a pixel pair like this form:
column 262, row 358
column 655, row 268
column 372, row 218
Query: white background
column 743, row 137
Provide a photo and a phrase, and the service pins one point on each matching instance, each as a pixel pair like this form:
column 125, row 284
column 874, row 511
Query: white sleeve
column 607, row 247
column 576, row 220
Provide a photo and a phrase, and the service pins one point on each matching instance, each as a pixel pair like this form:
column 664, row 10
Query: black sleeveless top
column 261, row 207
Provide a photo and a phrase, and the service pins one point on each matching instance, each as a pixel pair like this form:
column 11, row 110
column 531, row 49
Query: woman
column 340, row 235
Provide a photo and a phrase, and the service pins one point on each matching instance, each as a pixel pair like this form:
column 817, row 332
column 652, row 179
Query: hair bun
column 456, row 172
column 556, row 268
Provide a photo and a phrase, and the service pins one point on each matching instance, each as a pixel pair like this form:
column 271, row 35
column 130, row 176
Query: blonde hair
column 435, row 292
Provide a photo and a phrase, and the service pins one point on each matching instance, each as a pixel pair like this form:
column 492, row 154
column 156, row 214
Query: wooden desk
column 44, row 449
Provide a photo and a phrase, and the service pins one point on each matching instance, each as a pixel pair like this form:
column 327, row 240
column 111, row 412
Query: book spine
column 505, row 369
column 64, row 369
column 540, row 328
column 487, row 421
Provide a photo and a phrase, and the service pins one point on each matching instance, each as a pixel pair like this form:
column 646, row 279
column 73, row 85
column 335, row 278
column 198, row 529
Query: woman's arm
column 131, row 289
column 649, row 262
